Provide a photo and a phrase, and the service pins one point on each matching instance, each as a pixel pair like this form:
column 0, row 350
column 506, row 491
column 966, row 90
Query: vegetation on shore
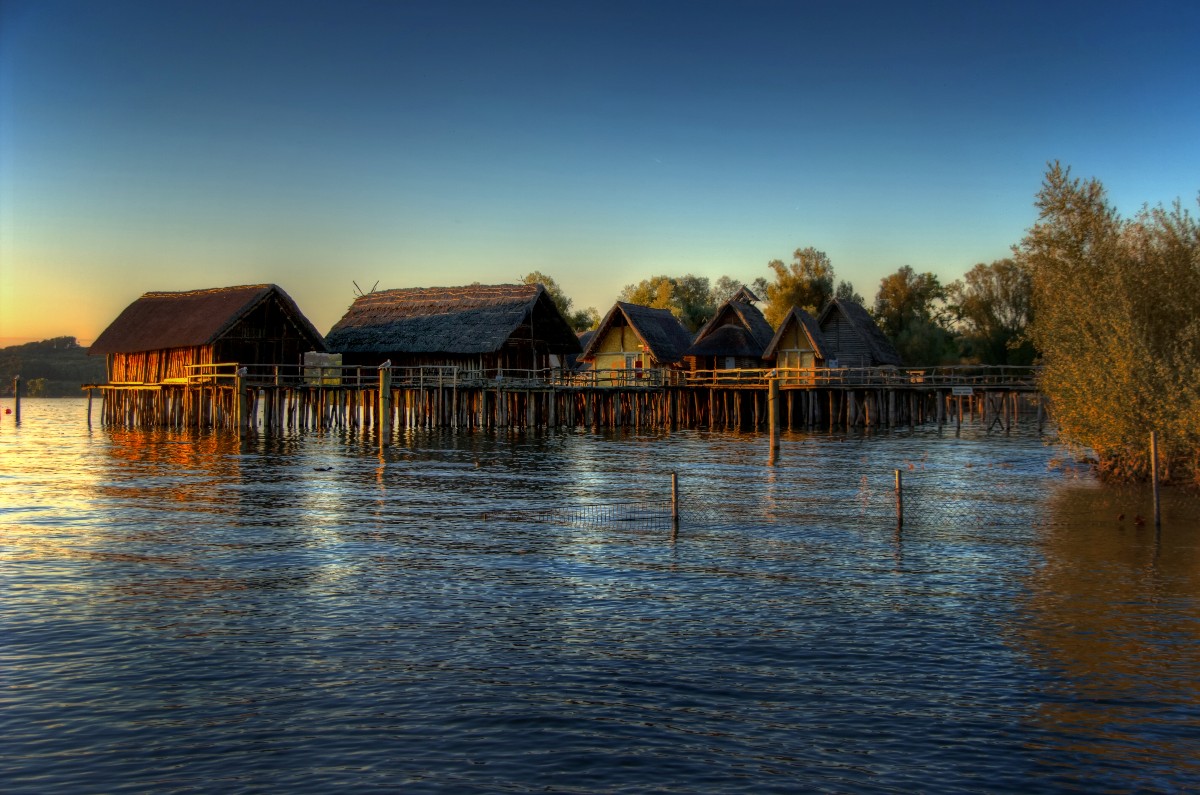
column 51, row 368
column 1116, row 319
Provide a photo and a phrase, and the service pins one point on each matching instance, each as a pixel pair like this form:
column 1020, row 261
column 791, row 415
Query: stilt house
column 797, row 346
column 481, row 328
column 853, row 339
column 634, row 340
column 159, row 335
column 734, row 339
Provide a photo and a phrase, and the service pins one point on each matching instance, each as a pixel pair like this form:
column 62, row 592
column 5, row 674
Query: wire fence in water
column 934, row 500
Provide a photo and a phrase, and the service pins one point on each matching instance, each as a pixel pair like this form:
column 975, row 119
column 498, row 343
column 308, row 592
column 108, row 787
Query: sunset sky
column 181, row 145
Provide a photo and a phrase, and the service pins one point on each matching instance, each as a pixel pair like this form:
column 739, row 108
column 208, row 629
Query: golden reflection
column 1113, row 616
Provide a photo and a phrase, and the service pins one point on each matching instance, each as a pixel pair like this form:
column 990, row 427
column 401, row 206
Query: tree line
column 982, row 318
column 50, row 368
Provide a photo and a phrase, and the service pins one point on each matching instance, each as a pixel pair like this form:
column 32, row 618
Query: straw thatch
column 806, row 323
column 477, row 319
column 853, row 338
column 737, row 329
column 195, row 318
column 658, row 329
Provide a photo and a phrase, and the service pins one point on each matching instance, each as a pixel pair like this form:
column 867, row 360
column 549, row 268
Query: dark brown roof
column 736, row 329
column 881, row 348
column 808, row 324
column 452, row 320
column 159, row 321
column 658, row 329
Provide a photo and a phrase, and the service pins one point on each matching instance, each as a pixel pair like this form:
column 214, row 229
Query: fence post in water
column 17, row 399
column 674, row 505
column 899, row 501
column 1154, row 476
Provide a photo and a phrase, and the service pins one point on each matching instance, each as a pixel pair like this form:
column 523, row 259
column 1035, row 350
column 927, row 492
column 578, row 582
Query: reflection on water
column 184, row 612
column 1113, row 611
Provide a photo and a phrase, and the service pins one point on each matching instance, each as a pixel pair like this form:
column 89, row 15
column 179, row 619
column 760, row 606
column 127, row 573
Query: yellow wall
column 619, row 342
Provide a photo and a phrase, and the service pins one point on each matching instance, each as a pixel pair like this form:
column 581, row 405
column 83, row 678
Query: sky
column 150, row 146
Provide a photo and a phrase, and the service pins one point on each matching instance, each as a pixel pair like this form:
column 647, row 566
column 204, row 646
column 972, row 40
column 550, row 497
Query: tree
column 581, row 320
column 726, row 287
column 909, row 310
column 688, row 297
column 992, row 304
column 845, row 292
column 1117, row 322
column 806, row 282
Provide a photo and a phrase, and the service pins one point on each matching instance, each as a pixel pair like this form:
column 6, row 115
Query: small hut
column 158, row 336
column 853, row 339
column 798, row 345
column 481, row 328
column 734, row 339
column 636, row 339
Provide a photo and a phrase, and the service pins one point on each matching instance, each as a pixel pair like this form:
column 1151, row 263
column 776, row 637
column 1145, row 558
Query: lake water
column 507, row 612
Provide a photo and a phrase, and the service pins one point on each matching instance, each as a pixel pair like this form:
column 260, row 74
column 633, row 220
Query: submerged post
column 17, row 399
column 773, row 417
column 1154, row 476
column 674, row 506
column 899, row 502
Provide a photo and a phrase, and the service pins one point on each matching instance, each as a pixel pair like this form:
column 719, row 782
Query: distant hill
column 50, row 368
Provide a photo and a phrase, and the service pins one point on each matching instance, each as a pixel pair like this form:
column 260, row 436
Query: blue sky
column 171, row 146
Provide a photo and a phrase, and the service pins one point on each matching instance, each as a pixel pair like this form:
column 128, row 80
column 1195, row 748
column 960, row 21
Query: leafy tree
column 1117, row 322
column 805, row 282
column 726, row 287
column 992, row 304
column 689, row 297
column 581, row 320
column 909, row 308
column 846, row 292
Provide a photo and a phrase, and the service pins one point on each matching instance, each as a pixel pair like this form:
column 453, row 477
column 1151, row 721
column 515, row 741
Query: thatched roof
column 658, row 329
column 450, row 320
column 808, row 324
column 745, row 295
column 159, row 321
column 881, row 348
column 575, row 361
column 736, row 329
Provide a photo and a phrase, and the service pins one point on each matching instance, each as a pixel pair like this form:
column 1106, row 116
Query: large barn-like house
column 633, row 342
column 797, row 348
column 482, row 328
column 161, row 335
column 734, row 339
column 852, row 338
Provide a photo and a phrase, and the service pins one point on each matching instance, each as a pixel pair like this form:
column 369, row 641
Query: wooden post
column 384, row 418
column 241, row 403
column 1154, row 477
column 90, row 391
column 899, row 502
column 17, row 399
column 773, row 417
column 674, row 505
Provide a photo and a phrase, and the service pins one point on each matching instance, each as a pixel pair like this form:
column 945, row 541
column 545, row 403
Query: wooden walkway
column 266, row 398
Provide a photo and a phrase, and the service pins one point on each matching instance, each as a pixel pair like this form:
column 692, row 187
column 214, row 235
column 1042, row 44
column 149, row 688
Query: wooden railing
column 360, row 377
